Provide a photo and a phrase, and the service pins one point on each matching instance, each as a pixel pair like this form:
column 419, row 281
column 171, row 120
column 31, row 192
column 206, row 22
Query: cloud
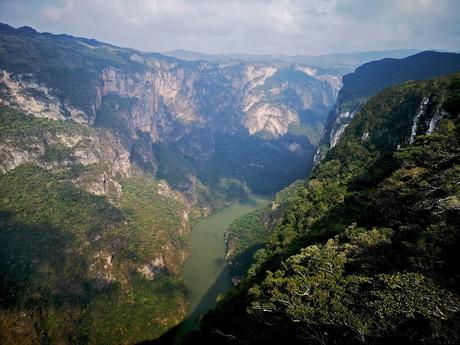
column 58, row 13
column 252, row 26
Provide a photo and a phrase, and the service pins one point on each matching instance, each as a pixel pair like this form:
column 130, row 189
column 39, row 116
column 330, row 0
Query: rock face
column 102, row 154
column 148, row 99
column 174, row 95
column 23, row 92
column 258, row 98
column 275, row 98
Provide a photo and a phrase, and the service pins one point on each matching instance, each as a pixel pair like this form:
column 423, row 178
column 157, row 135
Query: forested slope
column 79, row 266
column 366, row 249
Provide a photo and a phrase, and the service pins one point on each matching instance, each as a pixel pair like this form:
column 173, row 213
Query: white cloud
column 254, row 26
column 58, row 13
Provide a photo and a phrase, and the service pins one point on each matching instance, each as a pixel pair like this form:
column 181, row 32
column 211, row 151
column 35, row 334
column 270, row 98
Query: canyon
column 110, row 156
column 156, row 143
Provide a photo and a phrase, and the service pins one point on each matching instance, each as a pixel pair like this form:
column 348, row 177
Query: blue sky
column 248, row 26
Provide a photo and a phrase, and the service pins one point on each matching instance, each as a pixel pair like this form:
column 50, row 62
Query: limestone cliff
column 151, row 103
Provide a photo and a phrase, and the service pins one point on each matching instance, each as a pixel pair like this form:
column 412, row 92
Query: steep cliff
column 108, row 154
column 184, row 105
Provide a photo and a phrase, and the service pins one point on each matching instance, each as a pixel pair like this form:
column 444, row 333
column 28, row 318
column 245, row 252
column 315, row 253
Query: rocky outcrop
column 25, row 93
column 170, row 97
column 102, row 157
column 159, row 98
column 426, row 118
column 343, row 119
column 150, row 270
column 338, row 121
column 274, row 98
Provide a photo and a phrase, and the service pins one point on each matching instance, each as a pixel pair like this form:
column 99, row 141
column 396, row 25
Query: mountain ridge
column 171, row 100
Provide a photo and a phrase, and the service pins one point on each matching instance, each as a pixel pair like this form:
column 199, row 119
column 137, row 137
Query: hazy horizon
column 231, row 53
column 261, row 27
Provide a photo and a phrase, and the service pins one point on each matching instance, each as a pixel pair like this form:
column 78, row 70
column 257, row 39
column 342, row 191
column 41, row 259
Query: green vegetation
column 256, row 161
column 16, row 125
column 149, row 210
column 211, row 190
column 374, row 76
column 312, row 132
column 58, row 152
column 369, row 79
column 235, row 165
column 245, row 236
column 114, row 114
column 145, row 311
column 173, row 165
column 366, row 250
column 69, row 261
column 50, row 142
column 233, row 189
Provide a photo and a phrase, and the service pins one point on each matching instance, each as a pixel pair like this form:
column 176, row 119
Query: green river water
column 206, row 273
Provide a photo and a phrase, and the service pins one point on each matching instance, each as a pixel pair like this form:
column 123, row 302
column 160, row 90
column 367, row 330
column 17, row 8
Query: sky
column 291, row 27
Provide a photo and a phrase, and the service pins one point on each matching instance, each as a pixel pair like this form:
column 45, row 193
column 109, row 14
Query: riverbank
column 206, row 273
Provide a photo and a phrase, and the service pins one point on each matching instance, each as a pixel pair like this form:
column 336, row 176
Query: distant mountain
column 196, row 56
column 374, row 76
column 341, row 62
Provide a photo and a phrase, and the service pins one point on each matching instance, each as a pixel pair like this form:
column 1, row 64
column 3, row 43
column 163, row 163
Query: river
column 206, row 273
